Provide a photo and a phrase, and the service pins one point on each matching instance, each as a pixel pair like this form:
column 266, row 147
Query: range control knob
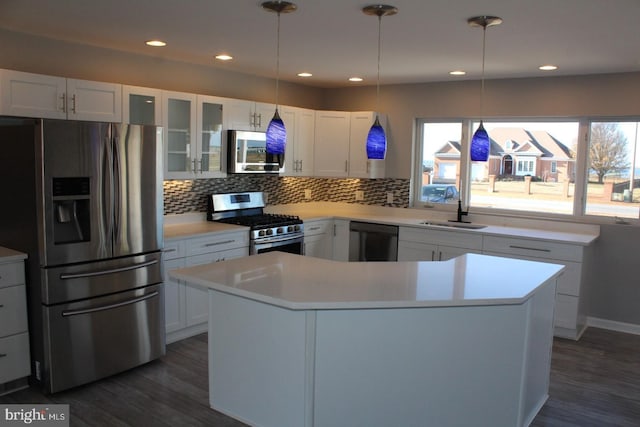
column 290, row 228
column 269, row 231
column 296, row 227
column 261, row 233
column 279, row 230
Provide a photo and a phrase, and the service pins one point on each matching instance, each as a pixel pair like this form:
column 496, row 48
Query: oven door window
column 292, row 246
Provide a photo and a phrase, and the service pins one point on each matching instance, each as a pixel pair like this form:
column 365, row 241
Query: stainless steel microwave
column 247, row 153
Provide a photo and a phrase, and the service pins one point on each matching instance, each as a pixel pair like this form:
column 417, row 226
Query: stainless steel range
column 269, row 232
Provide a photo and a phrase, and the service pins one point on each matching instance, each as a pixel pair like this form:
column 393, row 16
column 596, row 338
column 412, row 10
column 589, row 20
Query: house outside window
column 554, row 167
column 525, row 167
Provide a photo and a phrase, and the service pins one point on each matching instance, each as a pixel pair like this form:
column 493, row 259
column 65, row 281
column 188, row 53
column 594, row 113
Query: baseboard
column 629, row 328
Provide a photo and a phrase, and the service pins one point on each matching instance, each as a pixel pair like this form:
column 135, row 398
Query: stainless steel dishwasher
column 372, row 242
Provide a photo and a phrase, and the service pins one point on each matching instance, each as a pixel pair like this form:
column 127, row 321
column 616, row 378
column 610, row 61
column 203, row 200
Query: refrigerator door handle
column 117, row 187
column 109, row 306
column 108, row 271
column 107, row 192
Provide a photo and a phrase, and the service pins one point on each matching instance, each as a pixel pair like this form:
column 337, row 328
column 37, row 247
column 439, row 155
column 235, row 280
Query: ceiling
column 334, row 40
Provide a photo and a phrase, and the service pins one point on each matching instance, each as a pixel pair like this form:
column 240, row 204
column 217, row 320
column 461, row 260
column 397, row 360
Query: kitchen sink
column 466, row 225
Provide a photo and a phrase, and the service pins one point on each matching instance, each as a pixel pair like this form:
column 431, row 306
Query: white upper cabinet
column 193, row 136
column 247, row 115
column 340, row 145
column 37, row 95
column 359, row 165
column 300, row 125
column 331, row 146
column 141, row 105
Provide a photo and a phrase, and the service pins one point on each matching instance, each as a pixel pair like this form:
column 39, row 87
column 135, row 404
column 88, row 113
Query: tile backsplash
column 183, row 196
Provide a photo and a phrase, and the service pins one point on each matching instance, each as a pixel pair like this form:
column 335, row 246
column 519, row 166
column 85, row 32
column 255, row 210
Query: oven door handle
column 109, row 271
column 109, row 306
column 276, row 240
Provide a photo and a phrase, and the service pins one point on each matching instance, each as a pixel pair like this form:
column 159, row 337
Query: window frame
column 578, row 213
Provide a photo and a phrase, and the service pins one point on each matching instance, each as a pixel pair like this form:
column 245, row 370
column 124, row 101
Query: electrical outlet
column 389, row 197
column 359, row 195
column 307, row 193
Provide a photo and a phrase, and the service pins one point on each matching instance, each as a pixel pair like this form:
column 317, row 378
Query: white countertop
column 9, row 255
column 201, row 228
column 560, row 232
column 302, row 283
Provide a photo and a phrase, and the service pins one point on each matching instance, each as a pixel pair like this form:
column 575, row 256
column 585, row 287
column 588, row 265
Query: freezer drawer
column 95, row 338
column 92, row 279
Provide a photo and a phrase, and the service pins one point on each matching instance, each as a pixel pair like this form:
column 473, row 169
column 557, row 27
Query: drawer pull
column 529, row 249
column 109, row 271
column 314, row 228
column 166, row 251
column 3, row 354
column 224, row 242
column 109, row 306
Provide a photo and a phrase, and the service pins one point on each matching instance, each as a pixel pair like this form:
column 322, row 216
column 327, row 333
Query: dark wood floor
column 594, row 382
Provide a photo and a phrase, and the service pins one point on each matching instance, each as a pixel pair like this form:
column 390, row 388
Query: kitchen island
column 302, row 341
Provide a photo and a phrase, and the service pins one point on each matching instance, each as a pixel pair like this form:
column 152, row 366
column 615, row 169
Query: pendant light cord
column 484, row 43
column 378, row 76
column 277, row 61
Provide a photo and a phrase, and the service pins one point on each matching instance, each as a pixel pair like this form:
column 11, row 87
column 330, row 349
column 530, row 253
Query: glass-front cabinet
column 211, row 159
column 141, row 105
column 193, row 136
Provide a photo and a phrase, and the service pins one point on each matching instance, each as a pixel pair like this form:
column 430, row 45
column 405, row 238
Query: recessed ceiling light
column 304, row 74
column 548, row 67
column 457, row 73
column 155, row 43
column 224, row 57
column 355, row 79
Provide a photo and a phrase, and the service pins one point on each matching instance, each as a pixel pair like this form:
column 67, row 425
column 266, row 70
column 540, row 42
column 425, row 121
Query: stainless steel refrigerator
column 84, row 201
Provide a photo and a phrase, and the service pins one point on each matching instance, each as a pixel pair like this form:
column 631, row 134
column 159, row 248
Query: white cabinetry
column 340, row 145
column 186, row 306
column 570, row 316
column 300, row 125
column 359, row 165
column 341, row 239
column 193, row 136
column 141, row 105
column 318, row 238
column 331, row 146
column 15, row 361
column 38, row 95
column 435, row 245
column 247, row 115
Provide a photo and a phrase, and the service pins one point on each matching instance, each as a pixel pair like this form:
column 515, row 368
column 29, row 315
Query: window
column 439, row 169
column 535, row 167
column 530, row 167
column 613, row 176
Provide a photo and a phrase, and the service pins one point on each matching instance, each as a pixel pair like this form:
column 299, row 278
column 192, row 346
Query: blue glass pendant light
column 480, row 142
column 376, row 139
column 276, row 132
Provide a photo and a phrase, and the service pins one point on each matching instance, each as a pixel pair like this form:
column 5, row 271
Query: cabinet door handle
column 3, row 354
column 529, row 249
column 1, row 305
column 433, row 255
column 223, row 242
column 73, row 104
column 166, row 251
column 64, row 102
column 346, row 165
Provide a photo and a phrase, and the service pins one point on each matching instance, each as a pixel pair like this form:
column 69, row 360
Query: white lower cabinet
column 318, row 238
column 341, row 240
column 186, row 306
column 435, row 245
column 570, row 314
column 15, row 360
